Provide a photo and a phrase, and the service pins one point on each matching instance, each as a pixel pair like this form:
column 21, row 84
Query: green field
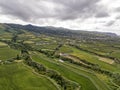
column 7, row 53
column 19, row 77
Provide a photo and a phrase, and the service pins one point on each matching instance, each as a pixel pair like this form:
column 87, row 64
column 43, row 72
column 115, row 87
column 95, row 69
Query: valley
column 43, row 58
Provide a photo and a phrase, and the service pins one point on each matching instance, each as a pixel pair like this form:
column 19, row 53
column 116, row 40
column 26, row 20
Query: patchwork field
column 32, row 58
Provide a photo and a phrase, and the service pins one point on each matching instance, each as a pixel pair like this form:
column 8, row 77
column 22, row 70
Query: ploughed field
column 38, row 61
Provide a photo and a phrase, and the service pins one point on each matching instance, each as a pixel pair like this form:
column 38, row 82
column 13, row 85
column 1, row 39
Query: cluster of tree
column 116, row 78
column 67, row 85
column 18, row 45
column 64, row 83
column 57, row 48
column 50, row 54
column 14, row 38
column 47, row 53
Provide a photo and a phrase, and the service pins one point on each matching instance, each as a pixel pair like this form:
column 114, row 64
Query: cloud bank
column 75, row 14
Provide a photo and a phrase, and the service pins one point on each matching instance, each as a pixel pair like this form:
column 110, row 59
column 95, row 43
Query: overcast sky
column 94, row 15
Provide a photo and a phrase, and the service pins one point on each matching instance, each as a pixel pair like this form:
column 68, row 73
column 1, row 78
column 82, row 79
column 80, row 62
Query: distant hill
column 62, row 31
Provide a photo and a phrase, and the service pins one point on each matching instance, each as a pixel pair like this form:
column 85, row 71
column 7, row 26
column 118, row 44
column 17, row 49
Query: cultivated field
column 34, row 59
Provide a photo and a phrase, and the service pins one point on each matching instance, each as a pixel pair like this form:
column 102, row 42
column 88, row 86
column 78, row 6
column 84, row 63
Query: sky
column 91, row 15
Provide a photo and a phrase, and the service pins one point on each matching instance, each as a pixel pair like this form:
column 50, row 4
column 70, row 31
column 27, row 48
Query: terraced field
column 66, row 72
column 32, row 60
column 83, row 75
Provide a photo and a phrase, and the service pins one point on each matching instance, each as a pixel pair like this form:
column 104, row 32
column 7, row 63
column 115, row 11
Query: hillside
column 61, row 31
column 50, row 58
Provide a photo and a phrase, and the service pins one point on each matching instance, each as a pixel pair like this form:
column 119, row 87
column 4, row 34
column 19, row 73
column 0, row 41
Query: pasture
column 19, row 77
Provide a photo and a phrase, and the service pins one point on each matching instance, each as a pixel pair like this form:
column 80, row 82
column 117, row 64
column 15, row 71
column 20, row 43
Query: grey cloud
column 30, row 10
column 110, row 23
column 118, row 17
column 102, row 14
column 24, row 9
column 82, row 8
column 15, row 8
column 117, row 9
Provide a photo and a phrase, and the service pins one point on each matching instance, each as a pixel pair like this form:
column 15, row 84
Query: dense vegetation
column 48, row 58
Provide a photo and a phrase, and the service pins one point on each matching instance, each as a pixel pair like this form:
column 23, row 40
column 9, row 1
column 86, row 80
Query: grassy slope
column 67, row 72
column 7, row 53
column 18, row 77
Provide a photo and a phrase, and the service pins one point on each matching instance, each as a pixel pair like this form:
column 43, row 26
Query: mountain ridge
column 62, row 32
